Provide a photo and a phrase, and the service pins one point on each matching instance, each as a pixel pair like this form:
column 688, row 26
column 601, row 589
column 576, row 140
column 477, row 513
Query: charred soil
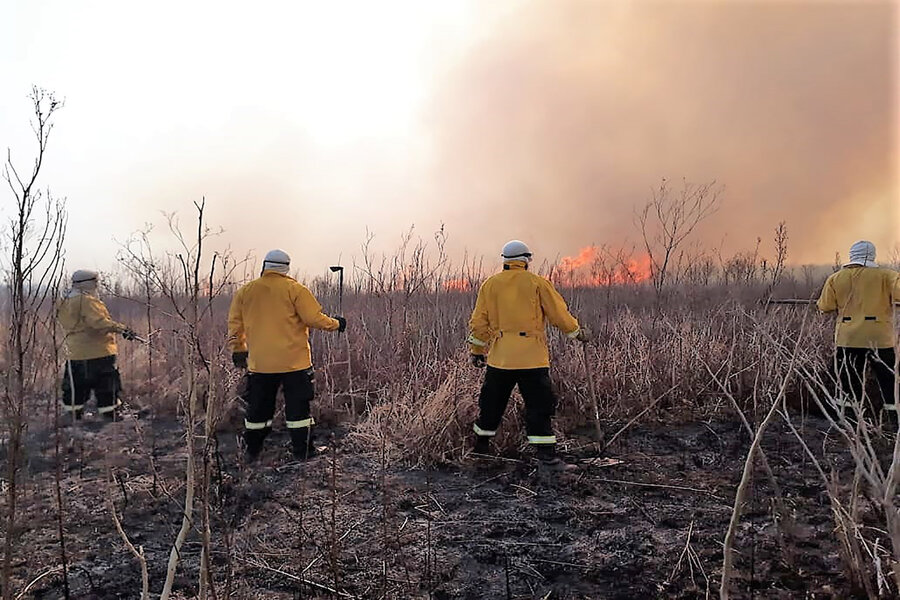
column 646, row 520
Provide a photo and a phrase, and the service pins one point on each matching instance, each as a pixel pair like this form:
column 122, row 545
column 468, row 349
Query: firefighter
column 508, row 334
column 862, row 294
column 90, row 336
column 268, row 325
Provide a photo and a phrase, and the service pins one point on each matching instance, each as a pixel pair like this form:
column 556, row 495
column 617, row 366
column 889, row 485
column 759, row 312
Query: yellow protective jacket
column 90, row 332
column 863, row 298
column 270, row 317
column 510, row 318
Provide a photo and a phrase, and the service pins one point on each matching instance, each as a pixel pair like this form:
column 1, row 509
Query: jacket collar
column 515, row 265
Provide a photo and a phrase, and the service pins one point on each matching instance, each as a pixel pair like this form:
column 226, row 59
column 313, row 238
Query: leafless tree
column 667, row 220
column 781, row 254
column 35, row 234
column 185, row 284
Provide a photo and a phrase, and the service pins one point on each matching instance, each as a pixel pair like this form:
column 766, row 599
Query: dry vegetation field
column 718, row 473
column 686, row 376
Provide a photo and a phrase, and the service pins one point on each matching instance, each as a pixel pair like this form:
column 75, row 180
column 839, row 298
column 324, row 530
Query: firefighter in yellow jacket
column 268, row 325
column 863, row 294
column 508, row 333
column 91, row 343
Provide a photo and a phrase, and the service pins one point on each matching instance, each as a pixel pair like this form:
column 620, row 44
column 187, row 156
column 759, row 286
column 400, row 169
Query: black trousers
column 851, row 364
column 537, row 391
column 98, row 375
column 298, row 390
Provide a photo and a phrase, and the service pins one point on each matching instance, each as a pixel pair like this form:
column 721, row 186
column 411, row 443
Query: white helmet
column 84, row 275
column 85, row 281
column 862, row 253
column 277, row 260
column 516, row 250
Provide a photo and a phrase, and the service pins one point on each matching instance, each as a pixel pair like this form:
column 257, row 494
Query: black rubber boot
column 548, row 461
column 482, row 444
column 253, row 443
column 302, row 443
column 889, row 420
column 71, row 417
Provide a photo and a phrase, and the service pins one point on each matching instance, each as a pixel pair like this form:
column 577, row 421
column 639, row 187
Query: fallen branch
column 296, row 578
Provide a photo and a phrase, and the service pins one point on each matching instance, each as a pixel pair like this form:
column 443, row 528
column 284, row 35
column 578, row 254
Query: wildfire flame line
column 457, row 285
column 599, row 266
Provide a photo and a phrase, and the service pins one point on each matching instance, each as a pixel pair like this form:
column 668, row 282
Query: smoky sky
column 308, row 126
column 559, row 123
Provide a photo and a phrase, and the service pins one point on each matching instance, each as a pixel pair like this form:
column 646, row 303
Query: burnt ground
column 341, row 526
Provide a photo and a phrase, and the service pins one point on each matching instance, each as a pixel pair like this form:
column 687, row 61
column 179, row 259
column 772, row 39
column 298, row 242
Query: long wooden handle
column 799, row 301
column 789, row 301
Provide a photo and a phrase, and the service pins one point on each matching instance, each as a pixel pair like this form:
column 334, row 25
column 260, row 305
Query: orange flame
column 597, row 266
column 457, row 285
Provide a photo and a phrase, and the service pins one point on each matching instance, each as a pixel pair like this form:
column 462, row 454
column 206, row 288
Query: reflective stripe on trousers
column 299, row 424
column 541, row 439
column 255, row 426
column 483, row 432
column 102, row 410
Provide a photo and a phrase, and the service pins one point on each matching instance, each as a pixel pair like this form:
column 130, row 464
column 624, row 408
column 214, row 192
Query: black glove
column 129, row 334
column 240, row 359
column 478, row 361
column 585, row 335
column 342, row 324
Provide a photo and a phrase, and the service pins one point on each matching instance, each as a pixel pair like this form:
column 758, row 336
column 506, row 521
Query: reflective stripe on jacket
column 510, row 316
column 270, row 317
column 90, row 331
column 863, row 298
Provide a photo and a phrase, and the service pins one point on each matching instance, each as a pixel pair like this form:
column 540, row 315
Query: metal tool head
column 335, row 269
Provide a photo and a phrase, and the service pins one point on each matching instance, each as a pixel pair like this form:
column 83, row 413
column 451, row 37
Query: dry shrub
column 423, row 399
column 435, row 428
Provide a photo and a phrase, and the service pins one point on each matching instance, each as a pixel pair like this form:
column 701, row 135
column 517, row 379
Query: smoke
column 556, row 127
column 543, row 120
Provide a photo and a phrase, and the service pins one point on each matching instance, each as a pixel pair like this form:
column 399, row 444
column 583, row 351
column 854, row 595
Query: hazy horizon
column 307, row 124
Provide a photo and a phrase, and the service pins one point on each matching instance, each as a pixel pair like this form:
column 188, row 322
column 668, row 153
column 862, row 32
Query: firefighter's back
column 516, row 301
column 277, row 337
column 84, row 343
column 517, row 318
column 864, row 298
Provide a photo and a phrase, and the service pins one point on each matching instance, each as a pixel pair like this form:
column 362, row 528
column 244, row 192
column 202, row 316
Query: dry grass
column 400, row 383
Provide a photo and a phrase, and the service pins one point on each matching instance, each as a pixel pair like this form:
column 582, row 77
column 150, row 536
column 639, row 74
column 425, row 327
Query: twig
column 640, row 414
column 524, row 489
column 562, row 564
column 684, row 552
column 488, row 480
column 47, row 573
column 494, row 457
column 138, row 553
column 660, row 486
